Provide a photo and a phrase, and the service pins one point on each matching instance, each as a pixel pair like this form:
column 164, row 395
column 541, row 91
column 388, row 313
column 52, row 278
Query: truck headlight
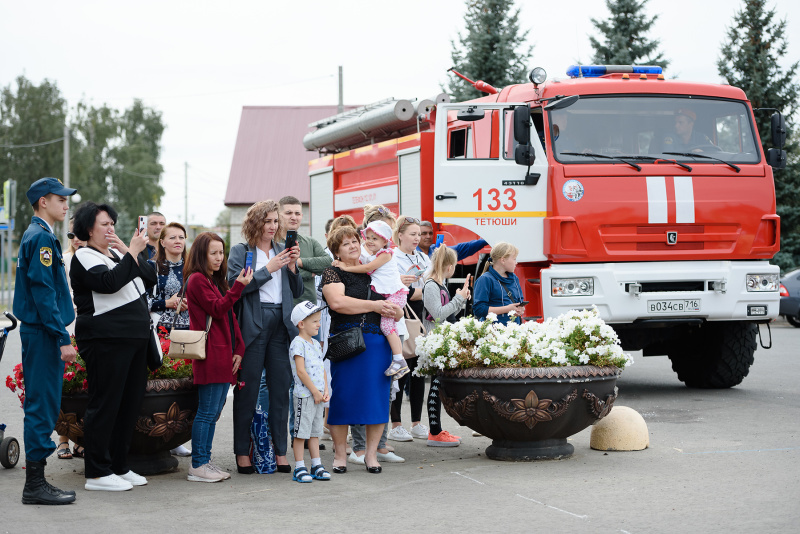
column 762, row 282
column 572, row 287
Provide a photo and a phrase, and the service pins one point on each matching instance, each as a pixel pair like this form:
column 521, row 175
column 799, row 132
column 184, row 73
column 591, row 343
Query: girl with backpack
column 439, row 308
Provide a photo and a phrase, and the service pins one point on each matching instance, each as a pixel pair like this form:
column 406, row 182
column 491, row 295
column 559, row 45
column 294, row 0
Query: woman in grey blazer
column 267, row 329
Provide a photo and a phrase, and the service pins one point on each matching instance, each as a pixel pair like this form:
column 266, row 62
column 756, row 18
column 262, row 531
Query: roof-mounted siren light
column 595, row 71
column 537, row 76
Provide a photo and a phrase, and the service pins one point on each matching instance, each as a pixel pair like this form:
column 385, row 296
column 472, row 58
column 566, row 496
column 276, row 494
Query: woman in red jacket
column 208, row 295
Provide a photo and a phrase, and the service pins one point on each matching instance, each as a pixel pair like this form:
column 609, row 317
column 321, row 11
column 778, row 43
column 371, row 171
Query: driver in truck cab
column 685, row 138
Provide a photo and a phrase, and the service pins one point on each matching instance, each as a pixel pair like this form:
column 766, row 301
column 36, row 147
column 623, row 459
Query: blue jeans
column 211, row 399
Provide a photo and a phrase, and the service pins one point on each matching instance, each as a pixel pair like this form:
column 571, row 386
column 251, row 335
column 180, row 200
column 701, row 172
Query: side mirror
column 524, row 155
column 778, row 128
column 776, row 158
column 470, row 114
column 522, row 125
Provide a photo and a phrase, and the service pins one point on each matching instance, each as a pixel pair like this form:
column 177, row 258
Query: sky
column 199, row 62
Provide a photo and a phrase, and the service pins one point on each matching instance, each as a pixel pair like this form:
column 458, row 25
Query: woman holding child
column 361, row 389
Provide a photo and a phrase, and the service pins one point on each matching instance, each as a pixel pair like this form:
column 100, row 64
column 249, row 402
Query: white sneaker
column 476, row 434
column 108, row 483
column 356, row 459
column 204, row 473
column 399, row 433
column 133, row 478
column 390, row 457
column 225, row 474
column 326, row 433
column 180, row 450
column 419, row 431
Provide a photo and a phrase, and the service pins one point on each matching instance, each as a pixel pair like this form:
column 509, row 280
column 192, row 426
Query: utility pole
column 341, row 91
column 65, row 226
column 186, row 194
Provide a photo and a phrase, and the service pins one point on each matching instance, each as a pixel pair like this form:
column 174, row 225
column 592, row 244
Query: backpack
column 445, row 299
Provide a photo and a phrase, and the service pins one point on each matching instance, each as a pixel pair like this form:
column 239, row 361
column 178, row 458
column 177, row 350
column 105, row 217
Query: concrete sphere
column 623, row 429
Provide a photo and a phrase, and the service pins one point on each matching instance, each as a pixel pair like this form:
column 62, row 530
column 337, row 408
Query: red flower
column 241, row 384
column 69, row 376
column 10, row 384
column 85, row 385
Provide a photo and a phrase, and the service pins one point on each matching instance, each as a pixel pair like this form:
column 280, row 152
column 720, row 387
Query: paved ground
column 719, row 461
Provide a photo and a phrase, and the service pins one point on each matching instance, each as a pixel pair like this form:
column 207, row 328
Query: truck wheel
column 9, row 452
column 718, row 355
column 793, row 320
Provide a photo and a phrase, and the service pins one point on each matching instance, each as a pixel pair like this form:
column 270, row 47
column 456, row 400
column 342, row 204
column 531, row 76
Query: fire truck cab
column 648, row 198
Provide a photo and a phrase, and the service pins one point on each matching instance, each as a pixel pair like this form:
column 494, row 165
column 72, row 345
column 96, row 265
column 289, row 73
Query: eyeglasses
column 412, row 220
column 70, row 235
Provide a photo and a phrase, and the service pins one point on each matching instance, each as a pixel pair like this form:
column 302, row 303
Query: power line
column 31, row 145
column 126, row 171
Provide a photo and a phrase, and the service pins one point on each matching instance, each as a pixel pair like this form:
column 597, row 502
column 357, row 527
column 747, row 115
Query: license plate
column 673, row 306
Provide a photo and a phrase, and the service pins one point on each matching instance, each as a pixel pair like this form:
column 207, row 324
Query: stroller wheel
column 9, row 452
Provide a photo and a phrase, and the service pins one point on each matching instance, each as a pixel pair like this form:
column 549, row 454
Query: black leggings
column 416, row 394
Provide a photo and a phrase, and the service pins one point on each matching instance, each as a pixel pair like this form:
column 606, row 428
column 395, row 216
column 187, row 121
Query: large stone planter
column 529, row 412
column 164, row 422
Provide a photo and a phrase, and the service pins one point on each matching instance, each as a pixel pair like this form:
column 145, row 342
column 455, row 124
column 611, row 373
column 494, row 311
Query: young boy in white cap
column 310, row 391
column 378, row 261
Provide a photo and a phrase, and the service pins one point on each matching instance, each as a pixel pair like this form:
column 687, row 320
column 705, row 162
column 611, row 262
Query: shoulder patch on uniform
column 46, row 256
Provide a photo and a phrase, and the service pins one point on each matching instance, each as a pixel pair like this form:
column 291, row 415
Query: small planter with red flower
column 165, row 417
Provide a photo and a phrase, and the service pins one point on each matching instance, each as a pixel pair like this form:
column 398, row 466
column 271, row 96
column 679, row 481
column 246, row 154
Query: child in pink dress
column 378, row 261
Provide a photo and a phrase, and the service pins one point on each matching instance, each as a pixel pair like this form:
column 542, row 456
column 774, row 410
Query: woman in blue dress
column 360, row 391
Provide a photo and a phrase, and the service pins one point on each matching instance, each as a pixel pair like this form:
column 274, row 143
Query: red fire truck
column 646, row 197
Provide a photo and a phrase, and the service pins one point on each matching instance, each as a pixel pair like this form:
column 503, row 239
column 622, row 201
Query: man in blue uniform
column 43, row 305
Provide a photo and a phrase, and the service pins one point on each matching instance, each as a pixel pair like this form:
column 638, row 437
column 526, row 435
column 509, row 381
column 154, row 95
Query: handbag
column 415, row 329
column 348, row 343
column 262, row 454
column 188, row 344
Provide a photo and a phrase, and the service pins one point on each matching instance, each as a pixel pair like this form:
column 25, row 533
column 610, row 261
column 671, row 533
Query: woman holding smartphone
column 267, row 329
column 412, row 265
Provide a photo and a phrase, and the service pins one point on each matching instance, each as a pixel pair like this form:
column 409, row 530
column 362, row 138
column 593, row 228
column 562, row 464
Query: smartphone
column 248, row 261
column 523, row 303
column 291, row 238
column 142, row 224
column 439, row 239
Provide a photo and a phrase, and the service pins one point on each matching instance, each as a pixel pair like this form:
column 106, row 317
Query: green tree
column 624, row 39
column 113, row 156
column 493, row 48
column 750, row 58
column 30, row 114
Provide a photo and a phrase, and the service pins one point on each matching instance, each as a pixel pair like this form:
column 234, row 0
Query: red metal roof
column 269, row 161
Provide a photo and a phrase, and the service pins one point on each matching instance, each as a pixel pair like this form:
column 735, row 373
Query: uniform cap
column 303, row 310
column 45, row 186
column 687, row 112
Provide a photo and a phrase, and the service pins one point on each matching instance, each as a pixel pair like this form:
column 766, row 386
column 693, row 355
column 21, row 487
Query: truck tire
column 716, row 356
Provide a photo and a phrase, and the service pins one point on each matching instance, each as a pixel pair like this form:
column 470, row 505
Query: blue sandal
column 301, row 475
column 319, row 472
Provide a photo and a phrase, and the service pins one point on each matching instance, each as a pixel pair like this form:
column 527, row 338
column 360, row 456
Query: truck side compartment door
column 476, row 180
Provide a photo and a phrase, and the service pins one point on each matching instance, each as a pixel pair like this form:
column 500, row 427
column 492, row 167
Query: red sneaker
column 443, row 439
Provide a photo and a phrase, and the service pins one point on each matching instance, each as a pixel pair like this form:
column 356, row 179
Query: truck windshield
column 649, row 127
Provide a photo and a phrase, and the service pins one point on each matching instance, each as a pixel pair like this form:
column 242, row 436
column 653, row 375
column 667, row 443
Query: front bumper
column 630, row 292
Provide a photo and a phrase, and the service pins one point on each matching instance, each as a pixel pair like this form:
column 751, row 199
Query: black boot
column 56, row 490
column 38, row 491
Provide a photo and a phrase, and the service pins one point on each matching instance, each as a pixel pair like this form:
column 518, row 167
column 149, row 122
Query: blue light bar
column 594, row 71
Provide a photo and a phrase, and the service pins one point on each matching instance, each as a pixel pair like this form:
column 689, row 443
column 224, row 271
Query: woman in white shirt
column 412, row 265
column 267, row 329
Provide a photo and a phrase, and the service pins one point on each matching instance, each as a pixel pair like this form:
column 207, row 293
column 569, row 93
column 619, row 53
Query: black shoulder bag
column 348, row 343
